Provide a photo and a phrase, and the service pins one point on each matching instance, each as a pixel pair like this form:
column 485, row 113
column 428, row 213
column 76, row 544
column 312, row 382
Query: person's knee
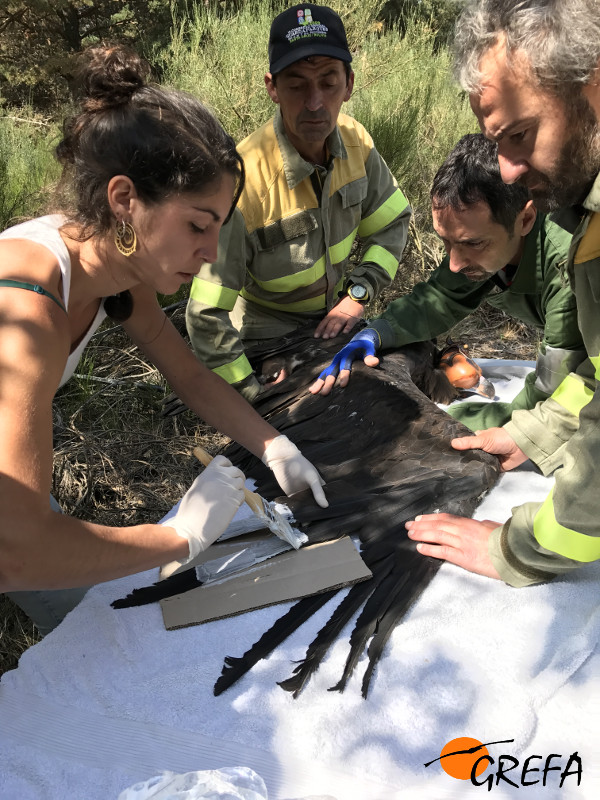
column 48, row 608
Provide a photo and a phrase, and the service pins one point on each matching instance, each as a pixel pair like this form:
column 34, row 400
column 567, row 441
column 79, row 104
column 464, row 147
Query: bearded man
column 532, row 70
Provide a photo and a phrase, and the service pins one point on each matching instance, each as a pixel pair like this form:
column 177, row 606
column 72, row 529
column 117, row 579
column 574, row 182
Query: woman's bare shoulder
column 30, row 262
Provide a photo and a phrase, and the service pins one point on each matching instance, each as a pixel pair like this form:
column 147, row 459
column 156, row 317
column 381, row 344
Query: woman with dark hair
column 151, row 178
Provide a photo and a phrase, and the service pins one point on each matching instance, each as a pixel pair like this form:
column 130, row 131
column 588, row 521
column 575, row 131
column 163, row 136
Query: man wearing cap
column 314, row 181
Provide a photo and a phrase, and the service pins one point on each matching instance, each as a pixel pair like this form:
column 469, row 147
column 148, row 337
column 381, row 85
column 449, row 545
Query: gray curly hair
column 561, row 39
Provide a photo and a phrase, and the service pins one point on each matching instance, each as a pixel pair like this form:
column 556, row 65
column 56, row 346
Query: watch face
column 358, row 292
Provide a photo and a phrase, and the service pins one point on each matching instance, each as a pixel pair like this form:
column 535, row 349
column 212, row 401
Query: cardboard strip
column 288, row 576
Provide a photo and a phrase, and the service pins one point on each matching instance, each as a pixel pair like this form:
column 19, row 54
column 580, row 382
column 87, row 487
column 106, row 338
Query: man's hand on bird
column 459, row 540
column 495, row 441
column 363, row 345
column 341, row 319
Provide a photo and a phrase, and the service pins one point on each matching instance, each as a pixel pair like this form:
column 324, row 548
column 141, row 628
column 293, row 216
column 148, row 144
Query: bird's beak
column 464, row 374
column 485, row 388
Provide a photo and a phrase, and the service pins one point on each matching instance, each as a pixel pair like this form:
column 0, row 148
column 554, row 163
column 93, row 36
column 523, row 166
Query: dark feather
column 175, row 584
column 234, row 668
column 326, row 637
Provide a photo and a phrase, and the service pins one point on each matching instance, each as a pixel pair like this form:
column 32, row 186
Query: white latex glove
column 292, row 471
column 209, row 505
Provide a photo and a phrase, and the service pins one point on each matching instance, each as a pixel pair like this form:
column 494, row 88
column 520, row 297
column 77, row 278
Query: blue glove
column 364, row 343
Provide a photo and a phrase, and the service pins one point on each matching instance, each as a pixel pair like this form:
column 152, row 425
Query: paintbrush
column 264, row 510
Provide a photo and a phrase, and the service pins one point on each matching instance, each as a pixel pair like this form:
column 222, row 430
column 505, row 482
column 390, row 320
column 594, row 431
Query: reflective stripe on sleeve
column 564, row 541
column 311, row 304
column 296, row 280
column 212, row 294
column 340, row 251
column 573, row 395
column 386, row 213
column 383, row 258
column 235, row 371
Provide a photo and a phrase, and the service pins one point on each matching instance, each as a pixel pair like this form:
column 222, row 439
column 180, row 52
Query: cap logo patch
column 307, row 27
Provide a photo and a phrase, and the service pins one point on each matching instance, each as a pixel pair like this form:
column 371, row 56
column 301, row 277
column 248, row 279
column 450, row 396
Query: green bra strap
column 32, row 287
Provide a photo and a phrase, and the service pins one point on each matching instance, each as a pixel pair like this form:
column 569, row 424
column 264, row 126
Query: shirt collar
column 592, row 201
column 295, row 168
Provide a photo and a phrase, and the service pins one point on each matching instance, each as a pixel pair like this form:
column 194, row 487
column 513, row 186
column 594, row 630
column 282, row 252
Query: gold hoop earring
column 125, row 238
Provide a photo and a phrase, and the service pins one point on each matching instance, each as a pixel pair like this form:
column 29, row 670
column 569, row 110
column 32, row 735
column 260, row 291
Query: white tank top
column 44, row 231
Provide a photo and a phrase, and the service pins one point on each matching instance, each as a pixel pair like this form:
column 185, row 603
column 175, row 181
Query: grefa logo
column 468, row 759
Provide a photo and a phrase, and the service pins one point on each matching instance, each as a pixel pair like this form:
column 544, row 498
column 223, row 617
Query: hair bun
column 109, row 75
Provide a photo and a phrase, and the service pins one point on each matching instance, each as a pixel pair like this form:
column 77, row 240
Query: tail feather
column 410, row 589
column 235, row 667
column 327, row 635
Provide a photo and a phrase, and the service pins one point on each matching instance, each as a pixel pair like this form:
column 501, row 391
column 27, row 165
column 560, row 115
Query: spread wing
column 383, row 448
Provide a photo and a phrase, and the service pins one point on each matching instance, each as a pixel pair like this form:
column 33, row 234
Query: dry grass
column 118, row 462
column 17, row 633
column 116, row 459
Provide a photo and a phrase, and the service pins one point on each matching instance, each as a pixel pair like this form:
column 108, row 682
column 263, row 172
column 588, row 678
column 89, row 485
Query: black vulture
column 383, row 448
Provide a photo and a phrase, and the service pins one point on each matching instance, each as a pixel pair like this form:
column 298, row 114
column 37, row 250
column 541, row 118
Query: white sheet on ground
column 111, row 697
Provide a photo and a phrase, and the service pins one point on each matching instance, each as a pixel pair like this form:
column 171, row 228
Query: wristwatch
column 358, row 293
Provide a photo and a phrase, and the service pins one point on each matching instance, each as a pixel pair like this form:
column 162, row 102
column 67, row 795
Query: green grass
column 405, row 97
column 403, row 94
column 27, row 165
column 223, row 59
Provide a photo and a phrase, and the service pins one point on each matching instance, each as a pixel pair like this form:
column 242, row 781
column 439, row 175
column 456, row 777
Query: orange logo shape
column 459, row 755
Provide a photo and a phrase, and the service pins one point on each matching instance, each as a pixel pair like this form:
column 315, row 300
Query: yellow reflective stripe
column 235, row 371
column 564, row 541
column 386, row 213
column 338, row 287
column 383, row 258
column 572, row 394
column 312, row 304
column 340, row 251
column 212, row 294
column 596, row 362
column 589, row 246
column 297, row 280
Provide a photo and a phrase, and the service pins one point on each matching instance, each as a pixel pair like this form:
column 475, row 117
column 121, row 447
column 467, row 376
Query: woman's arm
column 41, row 549
column 214, row 400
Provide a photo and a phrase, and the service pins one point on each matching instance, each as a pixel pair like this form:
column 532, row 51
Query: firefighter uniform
column 284, row 257
column 562, row 434
column 538, row 294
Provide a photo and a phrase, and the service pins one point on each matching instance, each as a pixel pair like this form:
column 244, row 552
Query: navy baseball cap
column 306, row 30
